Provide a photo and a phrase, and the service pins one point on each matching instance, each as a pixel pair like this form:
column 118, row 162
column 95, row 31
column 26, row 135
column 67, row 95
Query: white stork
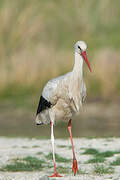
column 62, row 97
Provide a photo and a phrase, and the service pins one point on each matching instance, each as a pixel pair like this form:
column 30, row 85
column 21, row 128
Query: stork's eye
column 79, row 47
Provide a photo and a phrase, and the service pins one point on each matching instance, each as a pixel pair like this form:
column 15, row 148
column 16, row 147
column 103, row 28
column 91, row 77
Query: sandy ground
column 11, row 148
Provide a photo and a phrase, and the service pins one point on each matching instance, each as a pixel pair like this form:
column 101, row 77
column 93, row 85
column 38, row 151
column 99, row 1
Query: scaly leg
column 52, row 141
column 75, row 167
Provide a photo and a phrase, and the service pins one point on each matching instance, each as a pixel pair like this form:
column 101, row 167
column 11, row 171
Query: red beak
column 86, row 60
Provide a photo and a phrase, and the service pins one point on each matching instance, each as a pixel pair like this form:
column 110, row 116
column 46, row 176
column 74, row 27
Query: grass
column 18, row 166
column 91, row 151
column 96, row 159
column 101, row 169
column 116, row 162
column 66, row 170
column 39, row 153
column 104, row 154
column 37, row 30
column 61, row 146
column 63, row 170
column 95, row 87
column 82, row 171
column 35, row 146
column 99, row 157
column 58, row 158
column 25, row 147
column 28, row 163
column 70, row 147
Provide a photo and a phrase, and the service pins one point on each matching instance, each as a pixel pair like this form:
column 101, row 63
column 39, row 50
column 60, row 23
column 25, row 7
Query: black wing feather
column 43, row 104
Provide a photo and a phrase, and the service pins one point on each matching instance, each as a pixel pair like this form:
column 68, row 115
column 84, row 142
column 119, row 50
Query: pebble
column 44, row 178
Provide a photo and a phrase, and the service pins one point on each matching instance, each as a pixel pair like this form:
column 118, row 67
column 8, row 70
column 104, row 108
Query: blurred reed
column 37, row 39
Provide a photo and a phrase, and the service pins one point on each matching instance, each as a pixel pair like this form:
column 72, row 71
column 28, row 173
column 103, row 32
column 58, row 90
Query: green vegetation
column 28, row 163
column 95, row 87
column 116, row 162
column 25, row 147
column 100, row 169
column 37, row 44
column 70, row 147
column 91, row 151
column 58, row 158
column 18, row 166
column 100, row 154
column 82, row 171
column 35, row 32
column 35, row 146
column 99, row 157
column 63, row 170
column 106, row 154
column 39, row 153
column 61, row 146
column 96, row 159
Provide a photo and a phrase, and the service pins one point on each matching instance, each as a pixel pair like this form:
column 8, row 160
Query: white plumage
column 62, row 97
column 66, row 93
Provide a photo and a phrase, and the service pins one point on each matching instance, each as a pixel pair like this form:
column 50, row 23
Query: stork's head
column 80, row 48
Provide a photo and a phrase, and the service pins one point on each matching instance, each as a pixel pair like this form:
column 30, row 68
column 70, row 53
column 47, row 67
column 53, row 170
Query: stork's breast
column 62, row 110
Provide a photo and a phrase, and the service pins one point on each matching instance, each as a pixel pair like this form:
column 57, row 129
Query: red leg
column 52, row 140
column 75, row 167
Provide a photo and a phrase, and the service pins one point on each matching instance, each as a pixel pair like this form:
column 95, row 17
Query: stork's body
column 62, row 97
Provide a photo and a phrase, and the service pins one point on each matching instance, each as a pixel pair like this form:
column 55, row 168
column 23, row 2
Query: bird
column 62, row 98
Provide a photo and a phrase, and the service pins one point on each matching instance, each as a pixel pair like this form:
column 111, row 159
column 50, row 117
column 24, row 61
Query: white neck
column 77, row 69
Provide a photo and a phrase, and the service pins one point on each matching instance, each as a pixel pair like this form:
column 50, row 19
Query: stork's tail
column 37, row 120
column 43, row 117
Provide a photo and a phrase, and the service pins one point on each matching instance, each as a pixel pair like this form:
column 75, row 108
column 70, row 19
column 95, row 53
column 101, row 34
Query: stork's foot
column 55, row 175
column 75, row 167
